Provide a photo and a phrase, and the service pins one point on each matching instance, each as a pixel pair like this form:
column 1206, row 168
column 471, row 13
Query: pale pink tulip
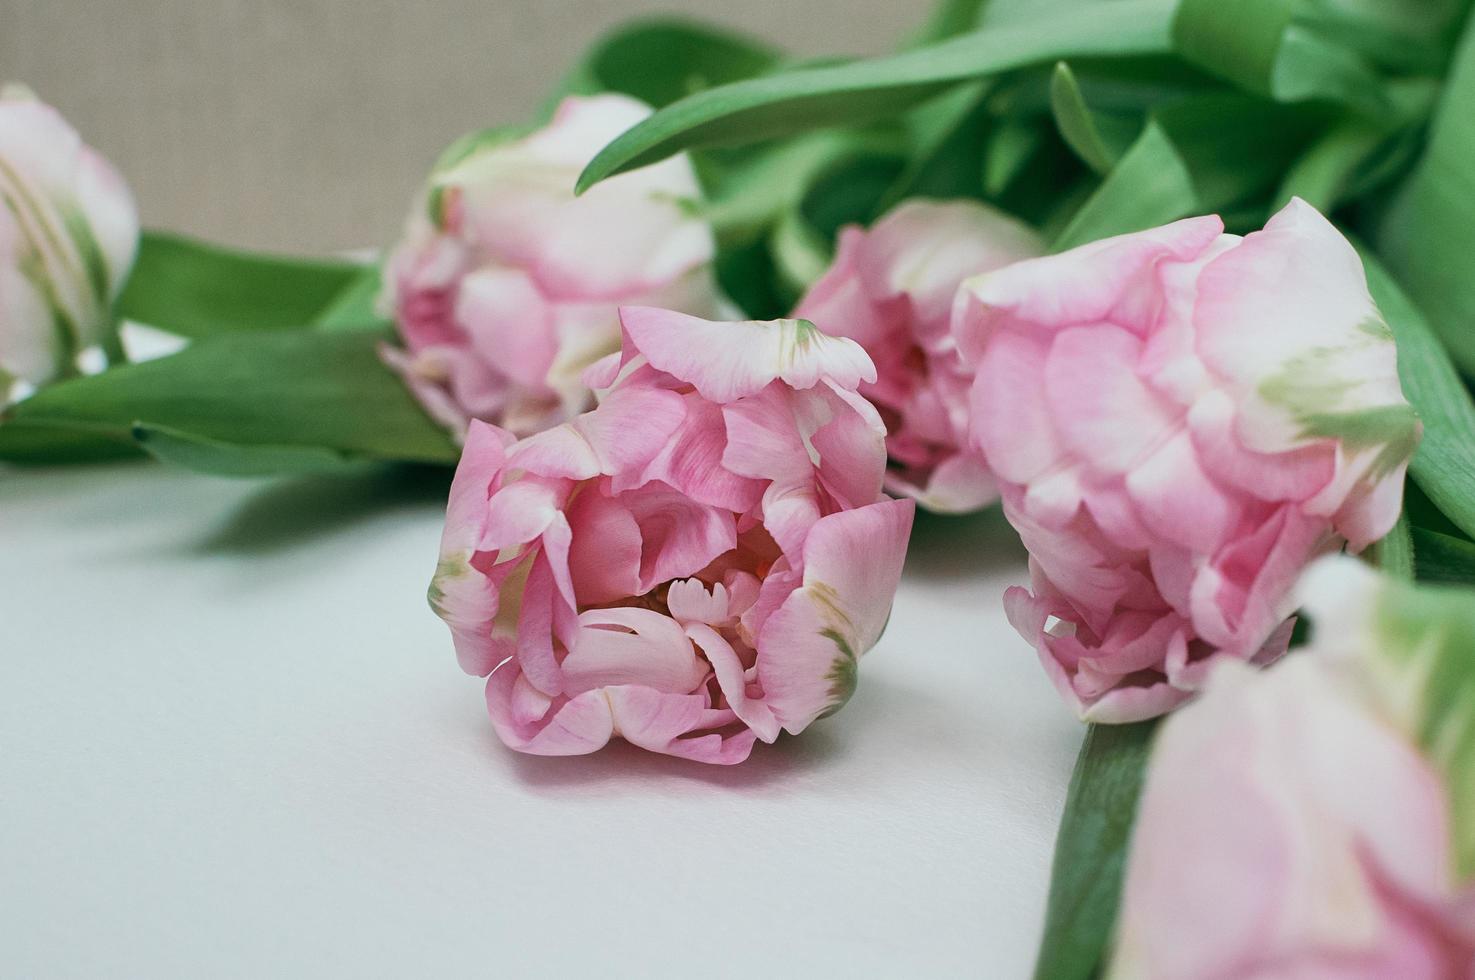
column 506, row 286
column 1291, row 824
column 698, row 562
column 891, row 290
column 1179, row 420
column 68, row 237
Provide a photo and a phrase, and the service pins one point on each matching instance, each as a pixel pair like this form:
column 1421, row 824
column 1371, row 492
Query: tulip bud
column 68, row 237
column 891, row 290
column 506, row 286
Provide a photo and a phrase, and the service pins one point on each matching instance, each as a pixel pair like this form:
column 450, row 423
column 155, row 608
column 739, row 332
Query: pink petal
column 1179, row 502
column 753, row 712
column 604, row 555
column 628, row 645
column 1101, row 409
column 625, row 432
column 1010, row 418
column 574, row 726
column 727, row 361
column 667, row 723
column 809, row 648
column 679, row 536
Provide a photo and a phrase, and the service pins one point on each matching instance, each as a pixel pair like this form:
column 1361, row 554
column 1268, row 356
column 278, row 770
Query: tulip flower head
column 696, row 563
column 1180, row 420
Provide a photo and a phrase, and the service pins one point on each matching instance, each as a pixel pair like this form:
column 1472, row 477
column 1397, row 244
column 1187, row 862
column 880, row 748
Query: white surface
column 234, row 742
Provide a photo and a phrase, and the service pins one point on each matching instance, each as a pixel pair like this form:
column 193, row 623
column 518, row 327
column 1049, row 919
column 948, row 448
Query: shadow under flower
column 950, row 546
column 297, row 511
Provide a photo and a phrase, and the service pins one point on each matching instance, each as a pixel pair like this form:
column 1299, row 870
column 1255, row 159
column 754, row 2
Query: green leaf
column 793, row 101
column 199, row 290
column 356, row 306
column 1444, row 465
column 41, row 445
column 1322, row 175
column 1428, row 235
column 1443, row 557
column 1259, row 46
column 1149, row 186
column 1395, row 553
column 661, row 59
column 1097, row 138
column 1091, row 849
column 251, row 403
column 1010, row 147
column 949, row 18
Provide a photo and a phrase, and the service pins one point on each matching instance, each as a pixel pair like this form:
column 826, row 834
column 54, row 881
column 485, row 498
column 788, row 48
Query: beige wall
column 305, row 124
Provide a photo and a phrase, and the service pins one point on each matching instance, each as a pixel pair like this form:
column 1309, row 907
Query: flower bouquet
column 1185, row 289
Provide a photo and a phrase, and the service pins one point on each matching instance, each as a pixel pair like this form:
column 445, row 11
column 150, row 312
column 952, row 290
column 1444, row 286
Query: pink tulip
column 698, row 562
column 505, row 287
column 1179, row 421
column 891, row 290
column 1291, row 827
column 68, row 237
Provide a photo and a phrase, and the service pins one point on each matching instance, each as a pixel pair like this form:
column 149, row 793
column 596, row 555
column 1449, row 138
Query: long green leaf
column 250, row 403
column 1091, row 848
column 788, row 102
column 196, row 289
column 42, row 445
column 1428, row 235
column 1443, row 557
column 1444, row 465
column 1149, row 186
column 1395, row 553
column 661, row 59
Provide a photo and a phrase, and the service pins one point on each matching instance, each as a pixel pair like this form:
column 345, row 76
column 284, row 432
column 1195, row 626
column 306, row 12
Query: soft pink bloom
column 1179, row 420
column 891, row 290
column 698, row 562
column 68, row 236
column 505, row 286
column 1289, row 827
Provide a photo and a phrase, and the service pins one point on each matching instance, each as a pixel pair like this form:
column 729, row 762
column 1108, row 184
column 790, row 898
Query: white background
column 234, row 742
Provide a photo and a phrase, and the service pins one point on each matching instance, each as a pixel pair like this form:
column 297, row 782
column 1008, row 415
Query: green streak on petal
column 842, row 674
column 1394, row 427
column 94, row 263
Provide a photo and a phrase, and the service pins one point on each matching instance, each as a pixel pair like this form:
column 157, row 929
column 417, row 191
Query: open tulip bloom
column 1179, row 421
column 698, row 562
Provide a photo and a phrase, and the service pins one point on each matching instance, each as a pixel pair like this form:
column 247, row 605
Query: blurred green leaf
column 1091, row 850
column 1259, row 46
column 251, row 402
column 356, row 306
column 1099, row 139
column 793, row 101
column 195, row 289
column 1444, row 465
column 1011, row 146
column 42, row 445
column 1428, row 235
column 949, row 18
column 662, row 59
